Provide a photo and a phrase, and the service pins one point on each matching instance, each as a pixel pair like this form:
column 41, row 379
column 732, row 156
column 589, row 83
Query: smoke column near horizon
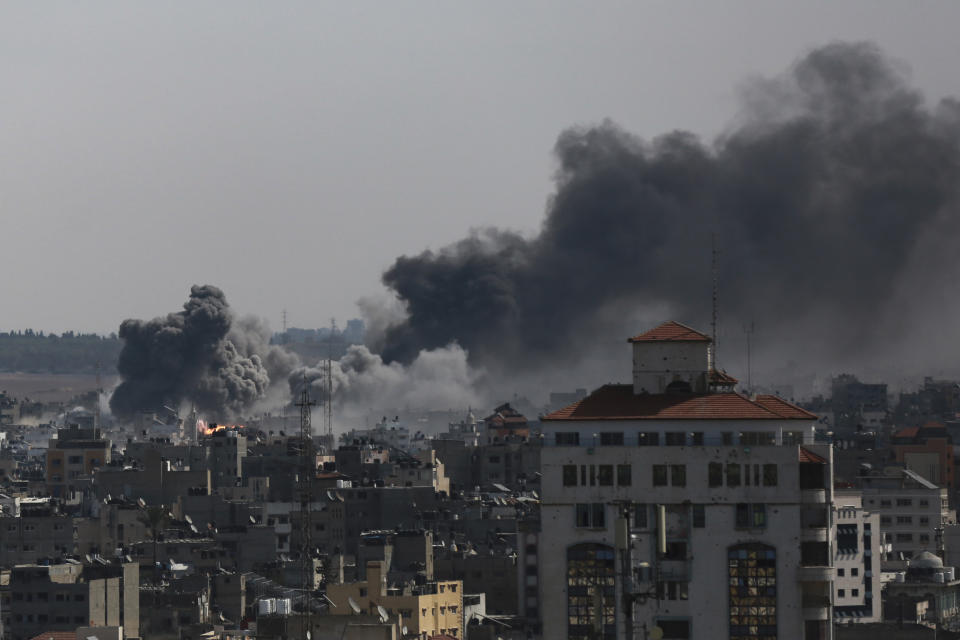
column 199, row 355
column 830, row 196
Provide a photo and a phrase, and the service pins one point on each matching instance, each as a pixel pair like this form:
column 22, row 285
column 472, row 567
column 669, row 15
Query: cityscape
column 324, row 321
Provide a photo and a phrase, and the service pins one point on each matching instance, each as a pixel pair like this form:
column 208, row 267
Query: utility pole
column 749, row 331
column 328, row 389
column 308, row 470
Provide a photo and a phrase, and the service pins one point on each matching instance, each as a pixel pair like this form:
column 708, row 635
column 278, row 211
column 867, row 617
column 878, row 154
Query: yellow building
column 431, row 609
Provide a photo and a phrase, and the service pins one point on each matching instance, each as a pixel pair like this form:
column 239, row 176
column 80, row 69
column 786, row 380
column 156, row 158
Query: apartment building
column 429, row 610
column 72, row 458
column 857, row 557
column 676, row 504
column 913, row 512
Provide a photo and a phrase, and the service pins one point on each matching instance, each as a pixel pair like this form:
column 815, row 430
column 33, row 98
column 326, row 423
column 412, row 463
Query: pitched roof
column 618, row 402
column 56, row 635
column 809, row 456
column 671, row 331
column 907, row 432
column 722, row 378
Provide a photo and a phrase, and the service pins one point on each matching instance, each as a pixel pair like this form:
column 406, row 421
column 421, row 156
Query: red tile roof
column 56, row 635
column 809, row 456
column 671, row 331
column 722, row 378
column 618, row 402
column 907, row 432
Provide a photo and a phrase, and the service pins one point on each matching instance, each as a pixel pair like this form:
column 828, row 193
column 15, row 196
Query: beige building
column 431, row 609
column 675, row 503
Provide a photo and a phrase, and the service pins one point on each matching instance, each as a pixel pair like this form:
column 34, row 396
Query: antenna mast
column 749, row 331
column 96, row 403
column 713, row 269
column 328, row 389
column 308, row 469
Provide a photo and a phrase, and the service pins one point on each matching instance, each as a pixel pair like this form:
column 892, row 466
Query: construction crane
column 307, row 472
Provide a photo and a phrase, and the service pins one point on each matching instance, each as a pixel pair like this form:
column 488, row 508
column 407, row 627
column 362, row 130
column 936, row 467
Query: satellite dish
column 194, row 528
column 89, row 559
column 143, row 505
column 383, row 613
column 656, row 633
column 354, row 606
column 404, row 630
column 188, row 519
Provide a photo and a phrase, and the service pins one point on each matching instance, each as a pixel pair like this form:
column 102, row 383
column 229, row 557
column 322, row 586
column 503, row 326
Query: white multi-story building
column 913, row 513
column 857, row 556
column 678, row 504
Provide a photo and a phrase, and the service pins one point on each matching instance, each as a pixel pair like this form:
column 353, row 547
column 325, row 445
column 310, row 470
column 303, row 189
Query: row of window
column 592, row 515
column 678, row 438
column 841, row 593
column 905, row 520
column 674, row 475
column 597, row 475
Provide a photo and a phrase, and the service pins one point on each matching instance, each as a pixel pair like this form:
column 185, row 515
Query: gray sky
column 288, row 152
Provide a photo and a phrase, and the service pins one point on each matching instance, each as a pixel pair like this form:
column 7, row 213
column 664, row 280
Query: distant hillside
column 70, row 352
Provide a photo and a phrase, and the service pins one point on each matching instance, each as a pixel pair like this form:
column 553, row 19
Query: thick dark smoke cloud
column 198, row 355
column 826, row 197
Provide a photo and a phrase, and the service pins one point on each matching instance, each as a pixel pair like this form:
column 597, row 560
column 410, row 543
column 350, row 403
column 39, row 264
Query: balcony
column 813, row 496
column 815, row 574
column 815, row 607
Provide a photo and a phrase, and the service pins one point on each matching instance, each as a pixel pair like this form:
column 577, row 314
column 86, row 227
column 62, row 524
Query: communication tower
column 308, row 469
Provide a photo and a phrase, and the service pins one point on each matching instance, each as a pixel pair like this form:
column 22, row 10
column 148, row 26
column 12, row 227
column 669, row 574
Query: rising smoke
column 826, row 198
column 199, row 356
column 361, row 381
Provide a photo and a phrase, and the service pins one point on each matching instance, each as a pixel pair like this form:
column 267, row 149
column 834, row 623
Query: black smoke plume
column 826, row 198
column 198, row 355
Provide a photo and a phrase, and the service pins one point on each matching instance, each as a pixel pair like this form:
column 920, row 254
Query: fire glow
column 205, row 429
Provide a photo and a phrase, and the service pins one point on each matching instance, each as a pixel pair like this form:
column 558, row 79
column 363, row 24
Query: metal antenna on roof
column 713, row 269
column 749, row 331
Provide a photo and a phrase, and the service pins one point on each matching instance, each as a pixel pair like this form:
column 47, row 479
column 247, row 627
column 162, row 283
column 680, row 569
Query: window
column 640, row 516
column 699, row 516
column 675, row 629
column 924, row 537
column 841, row 593
column 696, row 438
column 904, row 520
column 884, row 519
column 769, row 475
column 74, row 459
column 569, row 475
column 727, row 438
column 715, row 474
column 904, row 537
column 885, row 503
column 854, row 593
column 676, row 550
column 568, row 438
column 752, row 579
column 840, row 572
column 648, row 439
column 609, row 438
column 814, row 554
column 924, row 502
column 752, row 438
column 676, row 438
column 751, row 516
column 855, row 571
column 591, row 515
column 659, row 475
column 678, row 475
column 733, row 474
column 924, row 520
column 624, row 475
column 591, row 592
column 605, row 475
column 904, row 502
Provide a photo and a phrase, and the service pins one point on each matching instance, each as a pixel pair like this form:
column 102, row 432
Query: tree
column 154, row 518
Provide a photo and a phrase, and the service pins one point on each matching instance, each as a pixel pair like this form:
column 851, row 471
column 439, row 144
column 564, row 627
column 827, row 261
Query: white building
column 676, row 503
column 857, row 558
column 913, row 513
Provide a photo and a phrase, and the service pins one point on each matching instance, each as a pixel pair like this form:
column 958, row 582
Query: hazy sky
column 288, row 152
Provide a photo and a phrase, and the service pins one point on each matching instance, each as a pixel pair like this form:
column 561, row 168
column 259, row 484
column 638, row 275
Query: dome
column 926, row 560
